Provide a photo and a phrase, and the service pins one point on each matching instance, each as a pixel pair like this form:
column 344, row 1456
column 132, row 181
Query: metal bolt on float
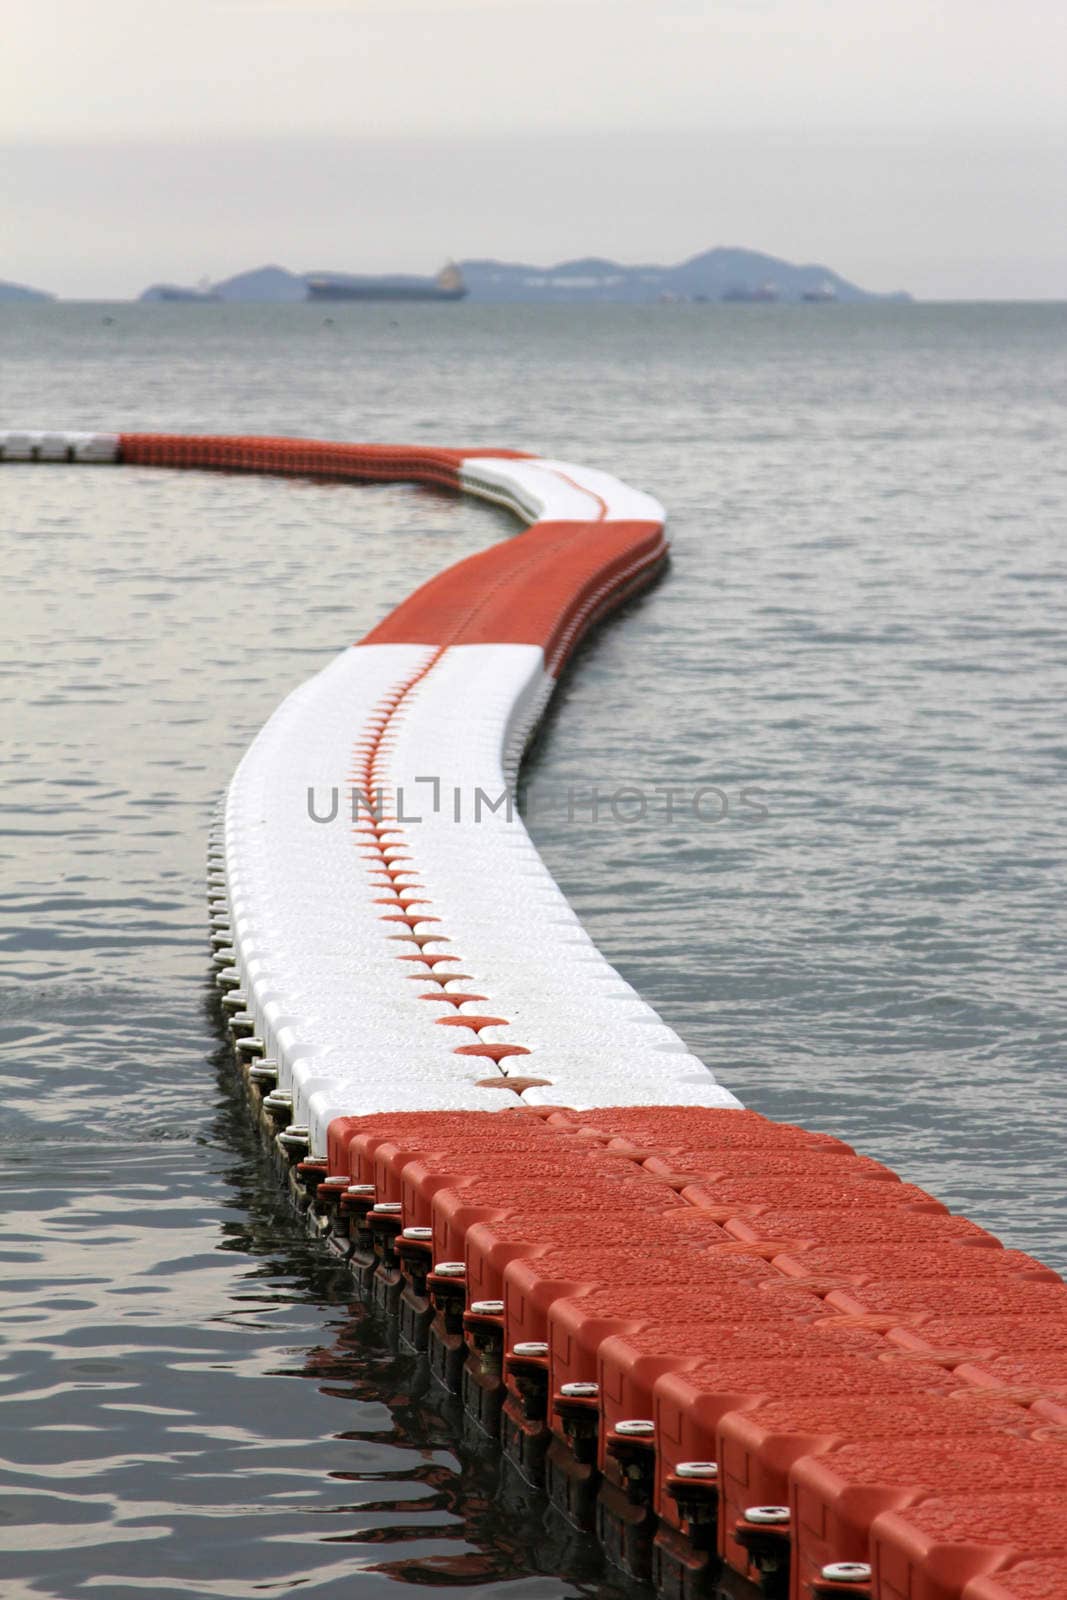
column 764, row 1532
column 577, row 1406
column 839, row 1579
column 631, row 1446
column 694, row 1488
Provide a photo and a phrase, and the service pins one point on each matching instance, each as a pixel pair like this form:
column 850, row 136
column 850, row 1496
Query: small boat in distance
column 448, row 285
column 751, row 294
column 173, row 293
column 824, row 295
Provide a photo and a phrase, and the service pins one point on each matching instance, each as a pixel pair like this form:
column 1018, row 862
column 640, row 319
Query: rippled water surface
column 863, row 623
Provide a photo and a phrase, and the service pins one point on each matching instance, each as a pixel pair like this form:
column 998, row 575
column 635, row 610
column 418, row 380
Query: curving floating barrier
column 727, row 1344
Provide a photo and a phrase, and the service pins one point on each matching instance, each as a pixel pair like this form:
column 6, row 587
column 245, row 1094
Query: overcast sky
column 912, row 144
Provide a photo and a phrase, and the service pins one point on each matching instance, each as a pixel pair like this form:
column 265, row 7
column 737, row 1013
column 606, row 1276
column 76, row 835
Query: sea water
column 861, row 631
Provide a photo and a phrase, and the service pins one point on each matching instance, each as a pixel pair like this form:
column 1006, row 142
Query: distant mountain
column 264, row 284
column 720, row 274
column 18, row 291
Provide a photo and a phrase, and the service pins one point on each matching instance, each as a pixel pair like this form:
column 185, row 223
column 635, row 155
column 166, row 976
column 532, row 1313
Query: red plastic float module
column 692, row 1403
column 598, row 1273
column 629, row 1364
column 993, row 1297
column 857, row 1264
column 836, row 1496
column 1035, row 1379
column 1028, row 1580
column 757, row 1449
column 671, row 1237
column 933, row 1550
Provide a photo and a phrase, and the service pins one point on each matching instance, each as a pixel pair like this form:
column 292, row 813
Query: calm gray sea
column 864, row 622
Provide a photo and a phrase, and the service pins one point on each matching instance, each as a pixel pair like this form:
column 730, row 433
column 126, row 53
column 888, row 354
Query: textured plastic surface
column 836, row 1497
column 934, row 1549
column 1028, row 1580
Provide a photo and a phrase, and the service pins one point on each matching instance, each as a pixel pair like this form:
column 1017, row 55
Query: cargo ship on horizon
column 447, row 285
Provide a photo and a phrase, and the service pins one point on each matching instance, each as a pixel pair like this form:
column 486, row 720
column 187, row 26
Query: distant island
column 19, row 291
column 722, row 274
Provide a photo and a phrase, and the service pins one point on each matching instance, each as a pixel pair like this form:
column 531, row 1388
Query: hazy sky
column 910, row 143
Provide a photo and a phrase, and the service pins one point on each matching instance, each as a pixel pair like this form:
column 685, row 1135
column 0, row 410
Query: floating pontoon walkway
column 731, row 1346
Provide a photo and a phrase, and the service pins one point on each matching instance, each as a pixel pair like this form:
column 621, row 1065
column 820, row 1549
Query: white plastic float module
column 38, row 445
column 351, row 1015
column 541, row 490
column 442, row 729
